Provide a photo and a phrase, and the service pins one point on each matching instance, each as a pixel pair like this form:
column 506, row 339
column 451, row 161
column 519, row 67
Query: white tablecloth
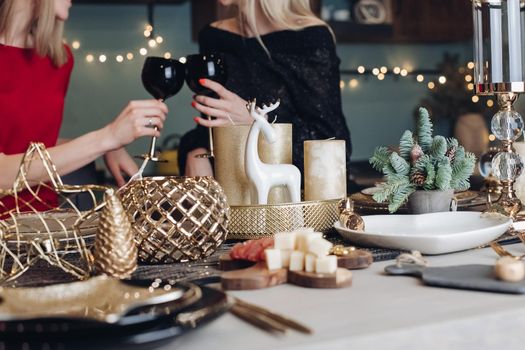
column 378, row 312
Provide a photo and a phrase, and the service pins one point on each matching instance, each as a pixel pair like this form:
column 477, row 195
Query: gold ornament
column 176, row 218
column 509, row 269
column 341, row 250
column 27, row 235
column 115, row 252
column 348, row 218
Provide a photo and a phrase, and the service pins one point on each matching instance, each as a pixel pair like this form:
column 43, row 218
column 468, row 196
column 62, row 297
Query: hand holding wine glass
column 162, row 78
column 205, row 66
column 228, row 109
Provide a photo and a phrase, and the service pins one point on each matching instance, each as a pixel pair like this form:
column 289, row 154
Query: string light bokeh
column 358, row 75
column 429, row 76
column 153, row 42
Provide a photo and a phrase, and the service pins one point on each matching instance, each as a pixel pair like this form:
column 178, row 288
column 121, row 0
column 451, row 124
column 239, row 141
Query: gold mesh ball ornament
column 176, row 218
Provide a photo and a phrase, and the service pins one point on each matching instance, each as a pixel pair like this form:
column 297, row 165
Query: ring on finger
column 150, row 122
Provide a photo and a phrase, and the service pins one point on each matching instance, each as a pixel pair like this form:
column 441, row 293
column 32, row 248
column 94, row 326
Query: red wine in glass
column 162, row 78
column 210, row 66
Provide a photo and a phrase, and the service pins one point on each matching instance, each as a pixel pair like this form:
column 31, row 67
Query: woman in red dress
column 35, row 67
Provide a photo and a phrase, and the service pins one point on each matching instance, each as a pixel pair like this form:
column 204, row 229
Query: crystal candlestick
column 507, row 126
column 499, row 55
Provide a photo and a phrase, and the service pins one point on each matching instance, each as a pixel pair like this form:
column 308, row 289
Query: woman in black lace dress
column 274, row 49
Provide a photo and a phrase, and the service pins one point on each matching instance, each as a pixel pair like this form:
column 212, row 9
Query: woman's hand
column 119, row 162
column 137, row 119
column 228, row 108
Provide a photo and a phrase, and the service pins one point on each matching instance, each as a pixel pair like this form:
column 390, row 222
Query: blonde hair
column 285, row 14
column 45, row 29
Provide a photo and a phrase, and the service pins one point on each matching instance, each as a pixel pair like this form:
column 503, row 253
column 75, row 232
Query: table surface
column 378, row 311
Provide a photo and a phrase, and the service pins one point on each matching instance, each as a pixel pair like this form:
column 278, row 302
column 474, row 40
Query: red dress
column 32, row 92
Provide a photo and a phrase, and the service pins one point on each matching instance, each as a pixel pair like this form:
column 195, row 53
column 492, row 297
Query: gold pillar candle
column 324, row 169
column 230, row 145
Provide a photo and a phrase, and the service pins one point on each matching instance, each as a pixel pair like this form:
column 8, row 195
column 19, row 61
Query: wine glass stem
column 152, row 145
column 210, row 135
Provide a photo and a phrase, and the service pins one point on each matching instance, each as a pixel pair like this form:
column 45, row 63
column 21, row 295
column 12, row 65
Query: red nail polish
column 202, row 81
column 196, row 119
column 193, row 104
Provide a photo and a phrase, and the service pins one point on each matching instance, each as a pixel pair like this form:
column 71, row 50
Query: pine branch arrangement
column 423, row 162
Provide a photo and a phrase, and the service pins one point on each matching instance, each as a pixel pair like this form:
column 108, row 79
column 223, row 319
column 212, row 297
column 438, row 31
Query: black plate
column 58, row 336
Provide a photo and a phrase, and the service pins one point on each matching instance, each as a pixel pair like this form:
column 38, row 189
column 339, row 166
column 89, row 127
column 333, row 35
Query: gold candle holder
column 230, row 145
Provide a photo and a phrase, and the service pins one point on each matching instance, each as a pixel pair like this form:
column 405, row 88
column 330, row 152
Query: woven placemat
column 43, row 274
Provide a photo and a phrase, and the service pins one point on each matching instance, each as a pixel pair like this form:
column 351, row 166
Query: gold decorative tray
column 258, row 221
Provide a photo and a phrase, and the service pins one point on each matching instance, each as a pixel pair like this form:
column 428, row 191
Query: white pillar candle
column 522, row 30
column 496, row 43
column 324, row 169
column 478, row 43
column 513, row 8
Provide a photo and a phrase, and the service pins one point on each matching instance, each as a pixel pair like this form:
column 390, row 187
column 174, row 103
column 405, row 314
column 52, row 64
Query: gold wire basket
column 176, row 218
column 258, row 221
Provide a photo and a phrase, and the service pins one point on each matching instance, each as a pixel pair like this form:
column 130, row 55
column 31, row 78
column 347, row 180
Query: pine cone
column 451, row 153
column 115, row 252
column 416, row 153
column 418, row 178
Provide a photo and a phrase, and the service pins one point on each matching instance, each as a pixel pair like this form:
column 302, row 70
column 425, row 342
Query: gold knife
column 285, row 321
column 257, row 320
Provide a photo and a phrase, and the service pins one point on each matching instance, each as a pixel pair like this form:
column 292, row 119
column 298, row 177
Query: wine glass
column 162, row 78
column 205, row 66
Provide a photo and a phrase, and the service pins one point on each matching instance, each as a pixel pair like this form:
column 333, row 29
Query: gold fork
column 503, row 252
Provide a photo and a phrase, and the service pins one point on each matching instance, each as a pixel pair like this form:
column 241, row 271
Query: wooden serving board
column 258, row 277
column 341, row 278
column 357, row 259
column 255, row 277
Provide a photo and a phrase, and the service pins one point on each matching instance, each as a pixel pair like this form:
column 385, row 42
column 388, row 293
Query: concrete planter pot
column 423, row 202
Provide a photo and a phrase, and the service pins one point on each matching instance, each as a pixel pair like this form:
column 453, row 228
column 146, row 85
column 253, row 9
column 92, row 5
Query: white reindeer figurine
column 265, row 176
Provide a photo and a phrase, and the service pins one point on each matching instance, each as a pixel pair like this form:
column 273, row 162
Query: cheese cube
column 285, row 257
column 304, row 238
column 309, row 263
column 326, row 264
column 284, row 240
column 297, row 261
column 273, row 259
column 319, row 247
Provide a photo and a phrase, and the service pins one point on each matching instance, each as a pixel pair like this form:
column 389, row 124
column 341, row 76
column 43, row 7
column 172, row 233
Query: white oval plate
column 435, row 233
